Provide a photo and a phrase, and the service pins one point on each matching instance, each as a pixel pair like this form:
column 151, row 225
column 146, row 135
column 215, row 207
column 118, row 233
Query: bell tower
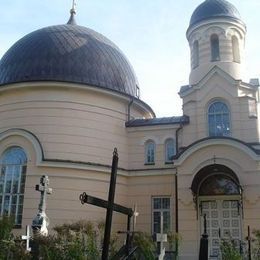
column 216, row 37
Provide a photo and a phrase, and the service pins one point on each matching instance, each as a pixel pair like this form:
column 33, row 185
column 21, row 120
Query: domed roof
column 68, row 53
column 211, row 9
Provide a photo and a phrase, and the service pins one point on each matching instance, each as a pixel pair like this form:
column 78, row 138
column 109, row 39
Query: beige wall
column 141, row 191
column 137, row 138
column 68, row 183
column 69, row 133
column 71, row 123
column 219, row 86
column 63, row 204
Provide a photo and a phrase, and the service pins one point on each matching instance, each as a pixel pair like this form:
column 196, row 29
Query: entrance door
column 223, row 222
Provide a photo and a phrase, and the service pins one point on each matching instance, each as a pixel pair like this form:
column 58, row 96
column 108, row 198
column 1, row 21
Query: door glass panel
column 156, row 222
column 166, row 222
column 219, row 185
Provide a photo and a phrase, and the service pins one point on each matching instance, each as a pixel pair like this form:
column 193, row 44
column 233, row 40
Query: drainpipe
column 176, row 201
column 176, row 188
column 129, row 109
column 177, row 138
column 176, row 181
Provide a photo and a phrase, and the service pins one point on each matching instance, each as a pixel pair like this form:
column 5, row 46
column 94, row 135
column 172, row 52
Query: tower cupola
column 216, row 37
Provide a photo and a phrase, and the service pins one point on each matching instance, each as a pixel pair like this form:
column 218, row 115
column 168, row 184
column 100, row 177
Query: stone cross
column 161, row 238
column 27, row 237
column 41, row 221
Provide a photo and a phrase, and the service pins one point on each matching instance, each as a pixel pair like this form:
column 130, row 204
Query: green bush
column 229, row 250
column 79, row 240
column 256, row 245
column 146, row 245
column 10, row 246
column 174, row 240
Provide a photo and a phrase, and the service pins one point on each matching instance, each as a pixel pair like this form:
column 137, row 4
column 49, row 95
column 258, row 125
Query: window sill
column 169, row 162
column 149, row 164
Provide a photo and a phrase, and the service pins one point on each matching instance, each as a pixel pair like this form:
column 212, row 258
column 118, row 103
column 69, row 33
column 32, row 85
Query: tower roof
column 211, row 9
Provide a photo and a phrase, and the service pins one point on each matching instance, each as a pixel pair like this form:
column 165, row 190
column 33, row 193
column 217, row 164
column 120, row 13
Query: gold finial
column 72, row 20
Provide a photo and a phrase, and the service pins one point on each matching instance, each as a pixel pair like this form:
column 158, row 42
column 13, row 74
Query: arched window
column 150, row 152
column 170, row 150
column 12, row 183
column 235, row 49
column 219, row 184
column 195, row 54
column 219, row 119
column 214, row 42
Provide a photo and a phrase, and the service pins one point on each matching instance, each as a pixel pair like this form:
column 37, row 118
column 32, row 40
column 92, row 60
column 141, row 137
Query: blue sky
column 150, row 32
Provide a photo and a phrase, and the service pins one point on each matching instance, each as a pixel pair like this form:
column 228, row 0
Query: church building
column 68, row 96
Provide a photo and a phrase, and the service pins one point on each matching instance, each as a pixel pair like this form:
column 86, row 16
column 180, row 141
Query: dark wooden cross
column 110, row 206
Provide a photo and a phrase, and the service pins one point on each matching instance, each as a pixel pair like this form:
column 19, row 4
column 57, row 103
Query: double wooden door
column 223, row 222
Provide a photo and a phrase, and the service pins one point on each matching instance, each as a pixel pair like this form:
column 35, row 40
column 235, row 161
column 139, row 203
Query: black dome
column 211, row 9
column 68, row 53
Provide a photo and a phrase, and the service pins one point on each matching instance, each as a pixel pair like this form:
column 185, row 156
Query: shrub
column 146, row 245
column 229, row 250
column 81, row 240
column 256, row 245
column 174, row 240
column 10, row 246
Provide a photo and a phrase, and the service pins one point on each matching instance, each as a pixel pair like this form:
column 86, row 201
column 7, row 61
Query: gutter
column 176, row 188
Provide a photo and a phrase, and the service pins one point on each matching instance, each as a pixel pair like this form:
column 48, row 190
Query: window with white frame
column 150, row 152
column 12, row 183
column 170, row 150
column 161, row 207
column 219, row 119
column 214, row 42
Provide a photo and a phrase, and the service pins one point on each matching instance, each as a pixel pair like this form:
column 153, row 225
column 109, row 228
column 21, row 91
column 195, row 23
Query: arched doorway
column 218, row 195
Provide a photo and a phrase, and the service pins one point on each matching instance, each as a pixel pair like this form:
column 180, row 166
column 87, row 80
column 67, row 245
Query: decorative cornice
column 209, row 141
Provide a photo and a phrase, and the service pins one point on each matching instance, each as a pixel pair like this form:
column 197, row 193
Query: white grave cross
column 161, row 238
column 27, row 238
